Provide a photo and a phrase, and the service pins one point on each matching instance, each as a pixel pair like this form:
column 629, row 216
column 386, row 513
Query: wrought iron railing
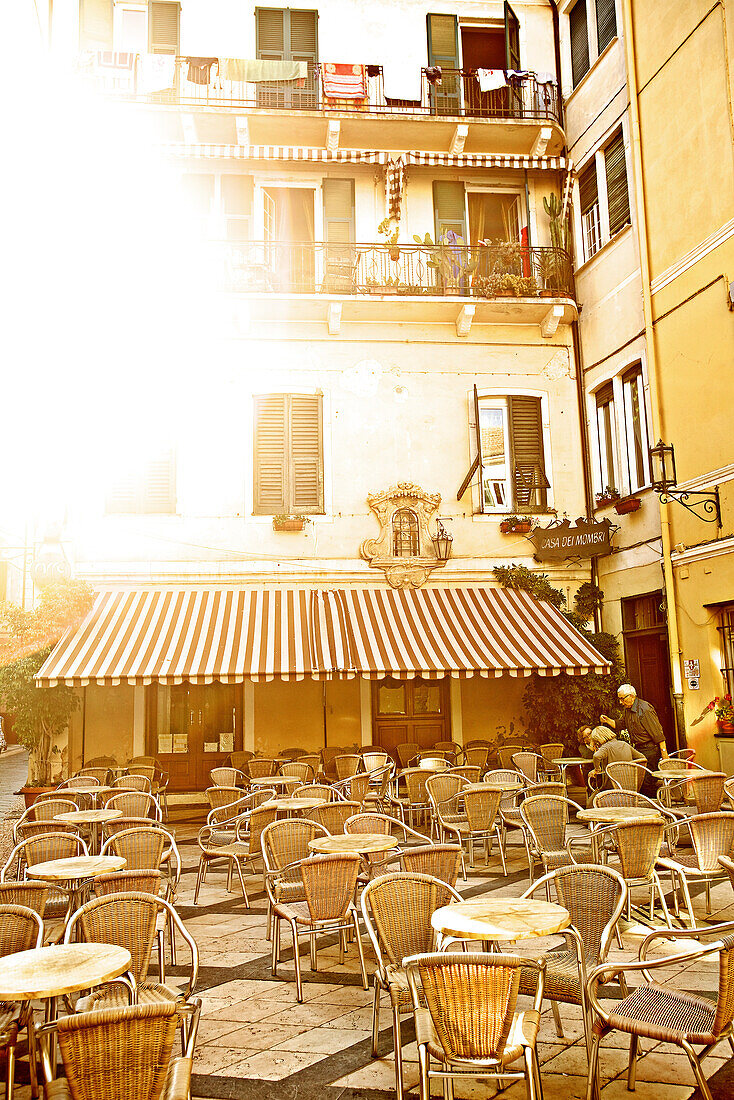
column 482, row 271
column 456, row 94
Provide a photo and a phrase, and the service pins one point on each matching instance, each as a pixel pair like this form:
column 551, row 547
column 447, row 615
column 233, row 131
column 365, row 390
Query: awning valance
column 232, row 635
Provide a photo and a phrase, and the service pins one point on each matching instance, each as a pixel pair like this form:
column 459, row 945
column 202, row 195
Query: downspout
column 656, row 414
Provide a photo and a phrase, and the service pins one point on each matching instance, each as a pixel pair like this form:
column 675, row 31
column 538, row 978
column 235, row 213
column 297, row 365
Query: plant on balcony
column 450, row 258
column 516, row 525
column 608, row 495
column 283, row 522
column 558, row 225
column 505, row 285
column 389, row 229
column 626, row 505
column 507, row 257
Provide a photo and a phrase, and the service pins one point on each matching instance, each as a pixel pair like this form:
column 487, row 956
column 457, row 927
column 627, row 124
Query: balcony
column 525, row 117
column 492, row 284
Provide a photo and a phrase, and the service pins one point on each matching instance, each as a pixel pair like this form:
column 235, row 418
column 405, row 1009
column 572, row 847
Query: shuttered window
column 150, row 491
column 288, row 462
column 95, row 24
column 449, row 207
column 288, row 34
column 606, row 427
column 339, row 211
column 590, row 214
column 443, row 51
column 579, row 31
column 164, row 19
column 617, row 192
column 606, row 23
column 237, row 198
column 528, row 461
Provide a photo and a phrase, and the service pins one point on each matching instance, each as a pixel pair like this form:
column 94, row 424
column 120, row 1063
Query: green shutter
column 306, row 475
column 443, row 50
column 286, row 34
column 269, row 441
column 579, row 30
column 526, row 437
column 270, row 33
column 512, row 39
column 95, row 24
column 606, row 23
column 302, row 45
column 338, row 211
column 449, row 207
column 617, row 192
column 164, row 18
column 588, row 187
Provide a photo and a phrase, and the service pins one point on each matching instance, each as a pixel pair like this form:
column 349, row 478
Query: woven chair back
column 141, row 848
column 706, row 791
column 227, row 777
column 313, row 760
column 100, row 772
column 399, row 907
column 121, row 1054
column 122, row 824
column 713, row 836
column 545, row 788
column 134, row 782
column 547, row 817
column 334, row 815
column 357, row 787
column 527, row 763
column 604, row 799
column 146, row 770
column 471, row 772
column 443, row 786
column 40, row 849
column 49, row 807
column 286, row 842
column 135, row 804
column 31, row 895
column 238, row 760
column 481, row 808
column 127, row 920
column 347, row 765
column 329, row 883
column 375, row 759
column 593, row 897
column 441, row 861
column 638, row 847
column 262, row 767
column 476, row 756
column 259, row 818
column 505, row 755
column 304, row 773
column 368, row 823
column 551, row 751
column 82, row 779
column 725, row 1000
column 472, row 1001
column 625, row 776
column 21, row 929
column 316, row 790
column 223, row 796
column 122, row 882
column 406, row 750
column 505, row 775
column 674, row 765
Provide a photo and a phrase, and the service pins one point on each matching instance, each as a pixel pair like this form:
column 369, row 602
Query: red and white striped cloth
column 344, row 81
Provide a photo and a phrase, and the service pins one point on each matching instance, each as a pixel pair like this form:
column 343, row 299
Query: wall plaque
column 584, row 539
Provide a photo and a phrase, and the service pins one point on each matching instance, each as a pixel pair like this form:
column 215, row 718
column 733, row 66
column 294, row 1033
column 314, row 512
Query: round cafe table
column 288, row 806
column 564, row 762
column 356, row 843
column 616, row 815
column 499, row 919
column 75, row 872
column 276, row 781
column 95, row 818
column 504, row 787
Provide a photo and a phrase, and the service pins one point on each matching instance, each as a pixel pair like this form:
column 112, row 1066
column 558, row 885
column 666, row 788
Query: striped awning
column 232, row 635
column 364, row 156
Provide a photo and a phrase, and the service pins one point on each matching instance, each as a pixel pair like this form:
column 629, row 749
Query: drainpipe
column 656, row 413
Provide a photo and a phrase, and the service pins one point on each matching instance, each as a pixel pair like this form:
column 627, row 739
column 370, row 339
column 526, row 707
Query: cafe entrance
column 410, row 710
column 193, row 728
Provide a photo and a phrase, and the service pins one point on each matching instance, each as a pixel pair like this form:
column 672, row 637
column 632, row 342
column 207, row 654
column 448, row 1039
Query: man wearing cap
column 643, row 725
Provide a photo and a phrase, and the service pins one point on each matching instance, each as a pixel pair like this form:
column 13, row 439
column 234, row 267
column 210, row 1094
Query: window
column 288, row 458
column 288, row 34
column 615, row 168
column 513, row 462
column 592, row 25
column 603, row 196
column 606, row 431
column 589, row 200
column 164, row 17
column 606, row 23
column 149, row 490
column 579, row 32
column 405, row 540
column 726, row 633
column 635, row 428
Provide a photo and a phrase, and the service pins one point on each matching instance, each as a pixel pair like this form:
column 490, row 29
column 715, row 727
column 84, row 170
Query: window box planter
column 629, row 504
column 516, row 526
column 603, row 500
column 289, row 523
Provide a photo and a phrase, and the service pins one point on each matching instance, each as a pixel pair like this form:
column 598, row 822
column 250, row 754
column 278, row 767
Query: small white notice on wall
column 691, row 669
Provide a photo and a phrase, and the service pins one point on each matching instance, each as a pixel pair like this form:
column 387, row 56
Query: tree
column 557, row 705
column 26, row 639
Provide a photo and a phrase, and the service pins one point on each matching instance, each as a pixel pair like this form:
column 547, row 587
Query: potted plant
column 626, row 505
column 450, row 258
column 389, row 229
column 284, row 522
column 607, row 496
column 516, row 525
column 41, row 715
column 724, row 710
column 505, row 285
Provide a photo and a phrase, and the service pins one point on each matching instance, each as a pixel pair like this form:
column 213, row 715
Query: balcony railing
column 483, row 271
column 456, row 94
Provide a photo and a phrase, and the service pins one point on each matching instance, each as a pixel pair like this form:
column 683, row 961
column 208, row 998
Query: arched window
column 405, row 541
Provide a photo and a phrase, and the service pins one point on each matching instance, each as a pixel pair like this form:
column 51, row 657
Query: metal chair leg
column 397, row 1044
column 698, row 1071
column 557, row 1019
column 360, row 952
column 275, row 947
column 199, row 879
column 632, row 1064
column 592, row 1081
column 297, row 963
column 375, row 1018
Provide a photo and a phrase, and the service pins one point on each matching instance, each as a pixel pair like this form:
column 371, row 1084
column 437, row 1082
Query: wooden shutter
column 305, row 453
column 526, row 439
column 270, row 33
column 339, row 211
column 303, row 46
column 443, row 50
column 269, row 441
column 449, row 207
column 588, row 187
column 237, row 199
column 579, row 30
column 512, row 39
column 606, row 23
column 122, row 498
column 164, row 18
column 95, row 24
column 159, row 488
column 617, row 192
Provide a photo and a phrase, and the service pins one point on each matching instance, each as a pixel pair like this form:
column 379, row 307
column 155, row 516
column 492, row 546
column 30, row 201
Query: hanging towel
column 517, row 74
column 545, row 78
column 200, row 69
column 156, row 73
column 491, row 79
column 258, row 71
column 433, row 75
column 344, row 81
column 374, row 70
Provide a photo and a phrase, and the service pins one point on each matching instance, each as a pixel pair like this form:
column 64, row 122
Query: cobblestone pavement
column 13, row 774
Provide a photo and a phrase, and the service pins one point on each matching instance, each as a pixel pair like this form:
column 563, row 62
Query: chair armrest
column 683, row 933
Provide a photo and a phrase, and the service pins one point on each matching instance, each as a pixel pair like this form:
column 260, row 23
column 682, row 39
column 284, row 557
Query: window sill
column 612, row 240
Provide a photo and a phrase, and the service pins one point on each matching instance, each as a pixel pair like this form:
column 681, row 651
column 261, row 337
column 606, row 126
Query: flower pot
column 724, row 725
column 604, row 502
column 294, row 524
column 394, row 253
column 516, row 528
column 629, row 504
column 30, row 794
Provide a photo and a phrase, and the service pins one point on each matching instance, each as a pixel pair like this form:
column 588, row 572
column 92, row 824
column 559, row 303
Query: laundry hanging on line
column 156, row 72
column 344, row 81
column 434, row 75
column 261, row 71
column 491, row 79
column 200, row 69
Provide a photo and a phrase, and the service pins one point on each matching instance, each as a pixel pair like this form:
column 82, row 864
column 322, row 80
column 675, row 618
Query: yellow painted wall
column 492, row 709
column 108, row 725
column 289, row 714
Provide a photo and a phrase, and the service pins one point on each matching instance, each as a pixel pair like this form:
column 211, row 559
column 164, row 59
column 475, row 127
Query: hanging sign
column 582, row 539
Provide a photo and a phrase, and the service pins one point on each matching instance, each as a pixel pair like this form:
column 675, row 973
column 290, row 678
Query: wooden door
column 410, row 710
column 192, row 729
column 648, row 669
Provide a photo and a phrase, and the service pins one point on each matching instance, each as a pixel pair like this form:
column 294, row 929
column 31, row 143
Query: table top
column 491, row 787
column 54, row 971
column 276, row 781
column 572, row 760
column 358, row 843
column 683, row 773
column 506, row 919
column 294, row 803
column 84, row 817
column 100, row 789
column 63, row 870
column 613, row 815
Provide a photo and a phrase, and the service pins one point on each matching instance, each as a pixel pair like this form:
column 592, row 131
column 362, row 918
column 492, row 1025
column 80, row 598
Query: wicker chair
column 623, row 798
column 262, row 767
column 79, row 781
column 441, row 861
column 304, row 773
column 373, row 759
column 329, row 883
column 465, row 1018
column 135, row 804
column 475, row 756
column 637, row 845
column 314, row 761
column 317, row 790
column 705, row 792
column 228, row 777
column 347, row 765
column 151, row 768
column 122, row 1053
column 378, row 790
column 220, row 797
column 333, row 815
column 40, row 849
column 43, row 812
column 396, row 910
column 148, row 849
column 625, row 775
column 659, row 1012
column 546, row 820
column 32, row 895
column 595, row 898
column 21, row 929
column 284, row 846
column 712, row 836
column 505, row 755
column 239, row 760
column 530, row 765
column 551, row 751
column 237, row 852
column 407, row 752
column 483, row 822
column 101, row 773
column 471, row 772
column 443, row 792
column 133, row 782
column 372, row 822
column 131, row 920
column 123, row 882
column 225, row 818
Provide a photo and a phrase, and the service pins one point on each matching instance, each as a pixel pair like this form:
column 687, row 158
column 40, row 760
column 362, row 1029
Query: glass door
column 194, row 728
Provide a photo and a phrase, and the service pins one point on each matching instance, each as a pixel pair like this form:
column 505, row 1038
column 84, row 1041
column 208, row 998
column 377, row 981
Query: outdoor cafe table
column 288, row 806
column 564, row 762
column 683, row 773
column 499, row 919
column 76, row 871
column 276, row 781
column 96, row 792
column 95, row 818
column 615, row 815
column 357, row 843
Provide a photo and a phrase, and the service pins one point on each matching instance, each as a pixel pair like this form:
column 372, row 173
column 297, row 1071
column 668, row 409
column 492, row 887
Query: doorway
column 410, row 710
column 647, row 658
column 494, row 216
column 484, row 48
column 193, row 728
column 288, row 221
